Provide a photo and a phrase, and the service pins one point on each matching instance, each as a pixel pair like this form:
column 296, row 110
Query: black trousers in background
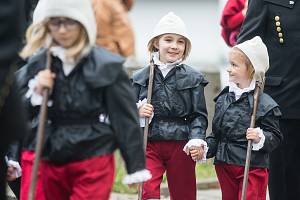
column 284, row 178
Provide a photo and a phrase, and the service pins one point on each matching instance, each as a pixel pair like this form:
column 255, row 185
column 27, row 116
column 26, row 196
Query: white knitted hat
column 258, row 55
column 171, row 23
column 79, row 10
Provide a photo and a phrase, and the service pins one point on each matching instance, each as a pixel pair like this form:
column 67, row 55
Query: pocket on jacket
column 273, row 81
column 286, row 4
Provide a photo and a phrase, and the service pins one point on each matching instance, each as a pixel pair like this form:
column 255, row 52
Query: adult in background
column 12, row 119
column 277, row 23
column 114, row 30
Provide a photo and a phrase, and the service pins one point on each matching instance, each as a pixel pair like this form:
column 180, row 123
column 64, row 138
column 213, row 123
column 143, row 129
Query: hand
column 146, row 110
column 45, row 79
column 11, row 173
column 253, row 134
column 196, row 152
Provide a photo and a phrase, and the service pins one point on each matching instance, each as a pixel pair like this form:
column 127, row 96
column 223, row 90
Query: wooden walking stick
column 40, row 135
column 249, row 147
column 147, row 119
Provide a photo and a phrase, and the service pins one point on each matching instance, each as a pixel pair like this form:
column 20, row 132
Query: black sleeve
column 270, row 126
column 198, row 123
column 255, row 21
column 124, row 119
column 13, row 118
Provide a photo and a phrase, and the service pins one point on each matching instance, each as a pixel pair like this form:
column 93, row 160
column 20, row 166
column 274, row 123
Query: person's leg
column 154, row 163
column 180, row 172
column 228, row 179
column 92, row 178
column 257, row 184
column 27, row 159
column 56, row 182
column 284, row 178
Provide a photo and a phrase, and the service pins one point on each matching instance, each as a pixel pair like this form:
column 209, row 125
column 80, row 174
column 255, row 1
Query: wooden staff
column 147, row 119
column 40, row 135
column 249, row 147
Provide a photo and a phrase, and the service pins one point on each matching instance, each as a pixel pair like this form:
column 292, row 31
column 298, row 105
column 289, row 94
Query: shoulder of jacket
column 141, row 76
column 222, row 93
column 188, row 77
column 102, row 67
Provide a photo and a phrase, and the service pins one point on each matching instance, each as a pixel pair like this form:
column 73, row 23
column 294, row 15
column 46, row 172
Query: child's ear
column 155, row 44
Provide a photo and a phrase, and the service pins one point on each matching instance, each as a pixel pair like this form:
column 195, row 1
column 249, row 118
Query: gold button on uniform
column 278, row 29
column 280, row 35
column 281, row 40
column 277, row 18
column 277, row 23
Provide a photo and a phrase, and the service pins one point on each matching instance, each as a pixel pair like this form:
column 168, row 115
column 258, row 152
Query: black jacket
column 228, row 142
column 178, row 101
column 277, row 21
column 97, row 85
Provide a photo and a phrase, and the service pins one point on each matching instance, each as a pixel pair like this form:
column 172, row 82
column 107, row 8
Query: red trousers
column 231, row 182
column 90, row 179
column 168, row 156
column 27, row 158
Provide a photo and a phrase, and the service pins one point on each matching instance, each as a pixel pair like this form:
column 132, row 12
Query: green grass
column 205, row 170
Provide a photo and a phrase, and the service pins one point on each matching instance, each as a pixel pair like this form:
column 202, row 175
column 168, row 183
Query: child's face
column 64, row 31
column 238, row 71
column 171, row 47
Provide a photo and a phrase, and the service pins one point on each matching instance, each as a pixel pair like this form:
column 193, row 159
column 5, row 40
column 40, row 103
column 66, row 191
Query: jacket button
column 278, row 29
column 277, row 18
column 280, row 35
column 281, row 40
column 277, row 23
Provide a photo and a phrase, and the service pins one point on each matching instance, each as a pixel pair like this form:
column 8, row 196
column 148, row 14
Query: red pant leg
column 227, row 178
column 154, row 163
column 88, row 179
column 257, row 184
column 27, row 159
column 180, row 172
column 93, row 178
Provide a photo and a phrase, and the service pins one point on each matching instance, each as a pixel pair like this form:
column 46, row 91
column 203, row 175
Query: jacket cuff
column 137, row 177
column 197, row 143
column 35, row 98
column 260, row 144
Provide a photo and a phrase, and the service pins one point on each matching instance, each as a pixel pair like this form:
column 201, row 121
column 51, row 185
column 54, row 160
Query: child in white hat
column 230, row 127
column 91, row 101
column 178, row 111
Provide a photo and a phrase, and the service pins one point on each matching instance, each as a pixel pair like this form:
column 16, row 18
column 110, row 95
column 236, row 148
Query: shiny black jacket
column 277, row 23
column 178, row 101
column 97, row 85
column 228, row 142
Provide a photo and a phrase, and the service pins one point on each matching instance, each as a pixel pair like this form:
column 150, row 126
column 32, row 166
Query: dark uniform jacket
column 178, row 101
column 97, row 85
column 277, row 23
column 228, row 142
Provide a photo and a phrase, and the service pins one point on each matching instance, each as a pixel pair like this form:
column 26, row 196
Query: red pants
column 231, row 182
column 180, row 170
column 90, row 179
column 27, row 159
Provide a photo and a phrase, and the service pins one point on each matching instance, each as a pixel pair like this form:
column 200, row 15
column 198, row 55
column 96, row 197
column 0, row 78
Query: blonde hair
column 250, row 68
column 154, row 41
column 38, row 35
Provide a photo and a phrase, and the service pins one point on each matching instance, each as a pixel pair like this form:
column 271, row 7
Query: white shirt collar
column 164, row 67
column 238, row 91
